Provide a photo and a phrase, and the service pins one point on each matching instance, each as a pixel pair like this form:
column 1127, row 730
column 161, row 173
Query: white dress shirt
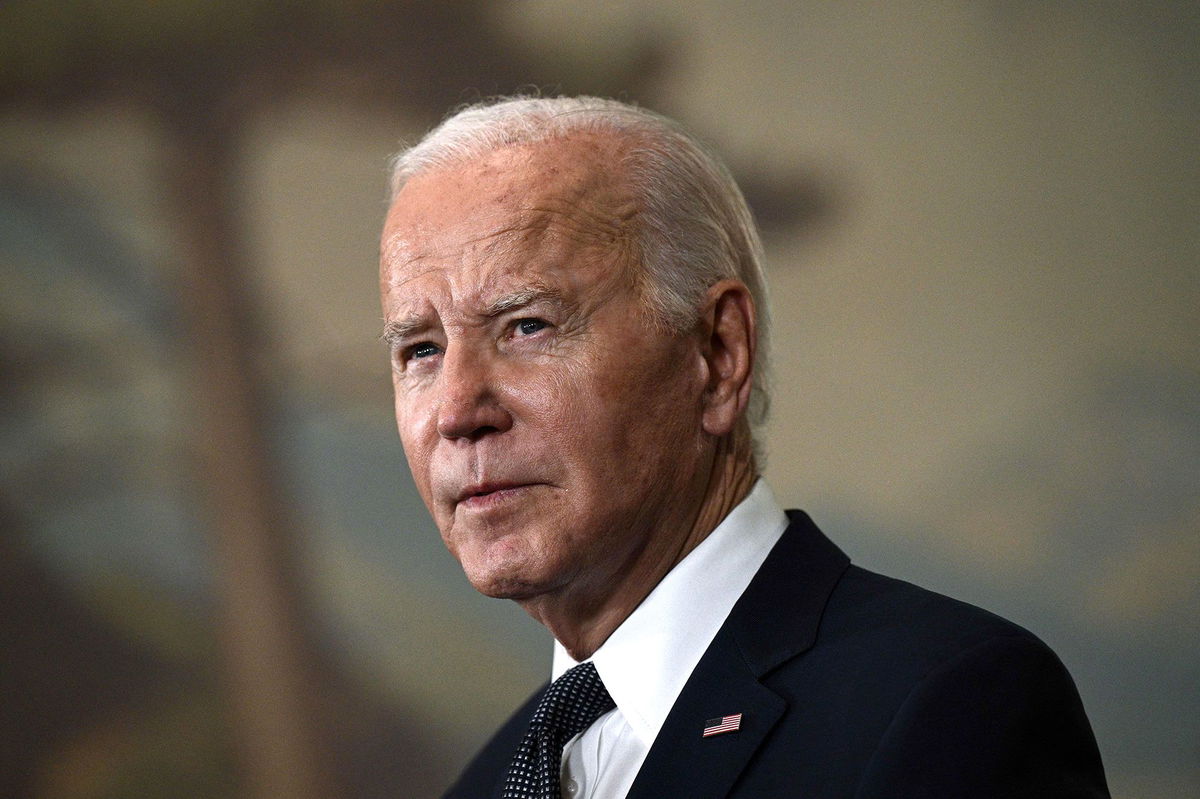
column 646, row 661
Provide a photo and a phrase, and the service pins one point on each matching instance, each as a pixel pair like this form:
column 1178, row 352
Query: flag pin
column 722, row 725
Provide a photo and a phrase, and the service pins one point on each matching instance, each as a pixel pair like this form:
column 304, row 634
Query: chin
column 507, row 589
column 504, row 586
column 507, row 575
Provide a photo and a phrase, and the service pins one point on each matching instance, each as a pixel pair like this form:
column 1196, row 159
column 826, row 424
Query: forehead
column 514, row 209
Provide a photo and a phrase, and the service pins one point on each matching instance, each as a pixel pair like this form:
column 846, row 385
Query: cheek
column 415, row 423
column 548, row 398
column 639, row 415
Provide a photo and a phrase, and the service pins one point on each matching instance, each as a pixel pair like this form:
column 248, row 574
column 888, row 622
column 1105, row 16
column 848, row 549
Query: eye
column 422, row 350
column 527, row 327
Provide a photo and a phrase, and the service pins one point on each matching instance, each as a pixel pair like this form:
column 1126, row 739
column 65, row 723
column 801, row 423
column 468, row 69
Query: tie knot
column 572, row 703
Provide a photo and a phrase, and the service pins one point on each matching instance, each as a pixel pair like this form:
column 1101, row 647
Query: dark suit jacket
column 852, row 684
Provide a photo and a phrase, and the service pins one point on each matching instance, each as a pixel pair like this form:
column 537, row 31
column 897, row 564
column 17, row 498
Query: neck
column 582, row 620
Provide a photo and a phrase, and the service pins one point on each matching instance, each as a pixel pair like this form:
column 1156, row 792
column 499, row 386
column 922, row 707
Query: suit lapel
column 775, row 619
column 778, row 615
column 721, row 685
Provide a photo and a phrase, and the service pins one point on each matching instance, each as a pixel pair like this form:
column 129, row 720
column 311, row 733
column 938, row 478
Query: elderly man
column 573, row 299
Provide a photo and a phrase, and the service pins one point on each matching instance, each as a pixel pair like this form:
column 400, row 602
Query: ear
column 729, row 325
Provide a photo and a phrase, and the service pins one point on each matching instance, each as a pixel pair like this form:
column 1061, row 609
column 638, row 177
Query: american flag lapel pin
column 722, row 725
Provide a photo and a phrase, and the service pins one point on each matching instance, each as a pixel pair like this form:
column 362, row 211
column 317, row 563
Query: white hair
column 694, row 227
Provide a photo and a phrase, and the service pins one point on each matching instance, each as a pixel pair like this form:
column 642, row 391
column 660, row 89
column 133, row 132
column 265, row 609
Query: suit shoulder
column 913, row 625
column 967, row 696
column 896, row 676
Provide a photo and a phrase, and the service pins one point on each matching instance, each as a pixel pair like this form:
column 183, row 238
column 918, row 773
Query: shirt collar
column 646, row 661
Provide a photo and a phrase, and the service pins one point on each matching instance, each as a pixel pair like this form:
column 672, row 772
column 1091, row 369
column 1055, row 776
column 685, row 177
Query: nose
column 469, row 407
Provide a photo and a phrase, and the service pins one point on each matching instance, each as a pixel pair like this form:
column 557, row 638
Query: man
column 574, row 303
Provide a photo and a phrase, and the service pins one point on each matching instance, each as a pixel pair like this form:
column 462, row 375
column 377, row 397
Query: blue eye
column 527, row 327
column 422, row 350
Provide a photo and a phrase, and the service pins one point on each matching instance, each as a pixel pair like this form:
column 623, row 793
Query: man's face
column 552, row 427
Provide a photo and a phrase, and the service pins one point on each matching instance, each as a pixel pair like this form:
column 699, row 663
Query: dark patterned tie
column 569, row 706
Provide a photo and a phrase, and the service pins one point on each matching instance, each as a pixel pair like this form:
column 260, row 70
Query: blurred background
column 216, row 579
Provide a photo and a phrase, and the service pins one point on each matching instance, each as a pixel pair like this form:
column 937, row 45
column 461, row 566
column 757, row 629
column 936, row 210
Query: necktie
column 569, row 706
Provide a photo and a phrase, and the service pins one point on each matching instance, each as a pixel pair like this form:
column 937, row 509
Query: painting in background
column 217, row 576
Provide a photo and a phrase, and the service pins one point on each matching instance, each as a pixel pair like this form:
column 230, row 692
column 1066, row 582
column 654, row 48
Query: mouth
column 487, row 495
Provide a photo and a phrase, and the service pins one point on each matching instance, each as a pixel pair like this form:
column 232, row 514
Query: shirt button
column 572, row 788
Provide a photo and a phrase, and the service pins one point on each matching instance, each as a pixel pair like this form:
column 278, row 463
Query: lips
column 485, row 495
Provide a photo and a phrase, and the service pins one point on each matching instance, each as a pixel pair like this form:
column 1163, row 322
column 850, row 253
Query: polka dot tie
column 569, row 706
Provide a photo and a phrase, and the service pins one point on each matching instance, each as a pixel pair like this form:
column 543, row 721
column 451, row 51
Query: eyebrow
column 523, row 298
column 395, row 331
column 400, row 329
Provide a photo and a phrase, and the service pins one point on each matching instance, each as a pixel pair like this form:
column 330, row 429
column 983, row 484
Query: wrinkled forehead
column 560, row 195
